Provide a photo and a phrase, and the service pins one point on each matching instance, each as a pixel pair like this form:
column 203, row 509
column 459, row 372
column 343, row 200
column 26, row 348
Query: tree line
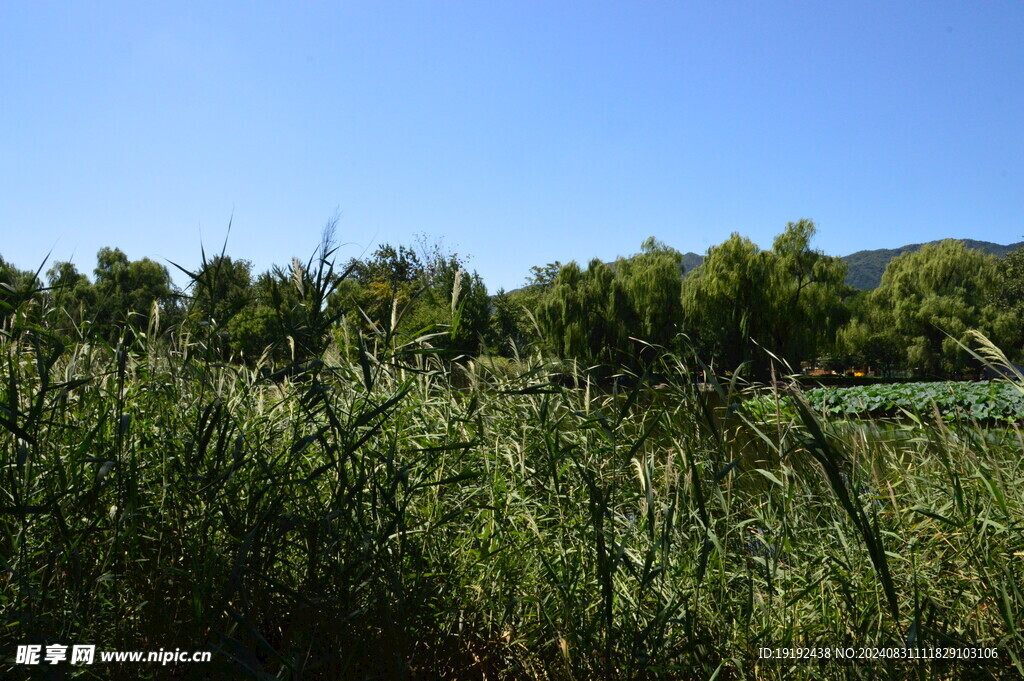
column 743, row 309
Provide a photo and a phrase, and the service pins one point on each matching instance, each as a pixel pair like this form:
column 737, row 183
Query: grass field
column 368, row 519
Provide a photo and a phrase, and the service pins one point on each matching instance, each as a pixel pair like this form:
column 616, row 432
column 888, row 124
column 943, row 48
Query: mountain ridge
column 865, row 267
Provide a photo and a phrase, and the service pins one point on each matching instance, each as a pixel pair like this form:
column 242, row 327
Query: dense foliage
column 608, row 312
column 745, row 306
column 743, row 309
column 928, row 302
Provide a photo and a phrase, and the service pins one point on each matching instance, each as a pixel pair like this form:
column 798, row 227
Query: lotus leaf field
column 994, row 401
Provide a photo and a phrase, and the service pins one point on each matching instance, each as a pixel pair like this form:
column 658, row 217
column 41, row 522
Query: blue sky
column 519, row 133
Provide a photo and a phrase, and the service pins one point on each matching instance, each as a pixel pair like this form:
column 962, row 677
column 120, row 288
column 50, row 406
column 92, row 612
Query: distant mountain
column 692, row 261
column 865, row 268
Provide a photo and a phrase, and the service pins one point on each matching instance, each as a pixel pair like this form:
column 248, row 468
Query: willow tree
column 807, row 290
column 743, row 301
column 724, row 302
column 929, row 299
column 128, row 292
column 1009, row 298
column 868, row 340
column 612, row 313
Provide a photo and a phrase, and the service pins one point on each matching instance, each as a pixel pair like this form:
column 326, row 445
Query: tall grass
column 368, row 519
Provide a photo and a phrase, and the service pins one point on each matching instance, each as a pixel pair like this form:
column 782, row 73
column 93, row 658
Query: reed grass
column 394, row 516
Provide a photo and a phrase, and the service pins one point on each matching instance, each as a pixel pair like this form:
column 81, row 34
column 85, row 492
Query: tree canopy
column 743, row 301
column 740, row 308
column 128, row 292
column 611, row 313
column 926, row 304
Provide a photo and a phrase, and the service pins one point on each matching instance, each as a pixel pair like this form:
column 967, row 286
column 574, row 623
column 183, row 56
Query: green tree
column 575, row 314
column 612, row 313
column 510, row 325
column 808, row 289
column 20, row 291
column 288, row 316
column 257, row 329
column 651, row 283
column 403, row 293
column 380, row 288
column 221, row 288
column 128, row 292
column 453, row 301
column 1009, row 300
column 73, row 297
column 513, row 318
column 930, row 298
column 868, row 340
column 1010, row 291
column 725, row 302
column 743, row 301
column 543, row 276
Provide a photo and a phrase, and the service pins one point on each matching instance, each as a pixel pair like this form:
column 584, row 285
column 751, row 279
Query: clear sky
column 518, row 132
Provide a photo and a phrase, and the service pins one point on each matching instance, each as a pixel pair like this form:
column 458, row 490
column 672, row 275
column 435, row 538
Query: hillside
column 866, row 267
column 692, row 261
